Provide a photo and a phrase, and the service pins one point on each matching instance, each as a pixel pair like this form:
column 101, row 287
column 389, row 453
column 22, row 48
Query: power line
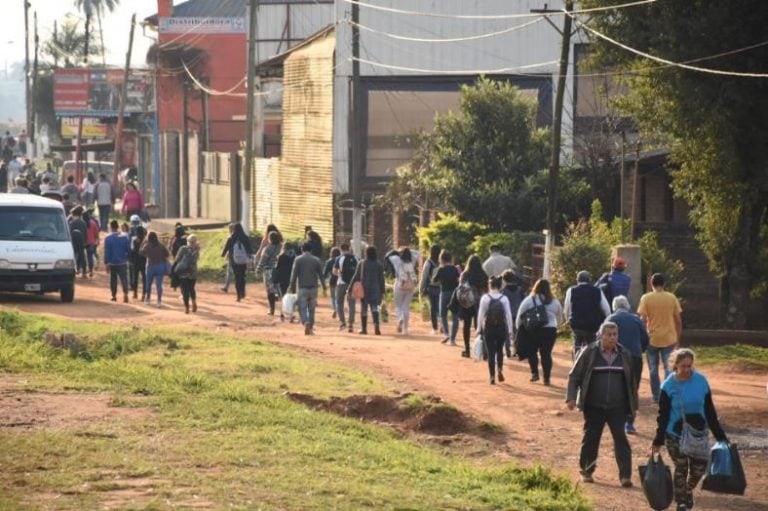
column 490, row 16
column 669, row 62
column 213, row 92
column 455, row 72
column 448, row 40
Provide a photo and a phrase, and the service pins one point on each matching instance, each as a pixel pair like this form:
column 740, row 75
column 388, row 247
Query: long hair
column 152, row 238
column 238, row 233
column 474, row 265
column 542, row 287
column 434, row 253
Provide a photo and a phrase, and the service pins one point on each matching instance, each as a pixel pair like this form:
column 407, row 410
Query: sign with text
column 202, row 25
column 92, row 128
column 91, row 92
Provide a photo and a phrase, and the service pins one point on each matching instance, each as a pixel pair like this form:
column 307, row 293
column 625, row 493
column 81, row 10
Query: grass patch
column 223, row 433
column 733, row 353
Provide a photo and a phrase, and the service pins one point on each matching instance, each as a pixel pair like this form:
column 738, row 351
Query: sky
column 116, row 27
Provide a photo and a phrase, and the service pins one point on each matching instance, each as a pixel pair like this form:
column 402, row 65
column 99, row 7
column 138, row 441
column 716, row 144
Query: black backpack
column 495, row 317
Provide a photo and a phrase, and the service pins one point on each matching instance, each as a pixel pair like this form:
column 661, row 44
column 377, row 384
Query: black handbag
column 535, row 317
column 656, row 479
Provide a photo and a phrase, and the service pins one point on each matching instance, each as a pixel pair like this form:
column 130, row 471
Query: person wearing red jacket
column 133, row 202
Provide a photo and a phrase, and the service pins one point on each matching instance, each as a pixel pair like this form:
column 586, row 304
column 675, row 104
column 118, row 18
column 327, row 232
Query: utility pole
column 121, row 106
column 28, row 102
column 355, row 165
column 557, row 126
column 245, row 221
column 622, row 172
column 31, row 133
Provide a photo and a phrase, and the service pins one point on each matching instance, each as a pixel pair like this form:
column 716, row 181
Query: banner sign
column 202, row 25
column 91, row 92
column 92, row 128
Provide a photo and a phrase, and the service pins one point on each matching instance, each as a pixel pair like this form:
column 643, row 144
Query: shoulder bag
column 358, row 291
column 535, row 317
column 694, row 442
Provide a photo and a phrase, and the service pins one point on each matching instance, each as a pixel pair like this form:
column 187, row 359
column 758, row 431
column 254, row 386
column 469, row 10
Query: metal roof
column 223, row 8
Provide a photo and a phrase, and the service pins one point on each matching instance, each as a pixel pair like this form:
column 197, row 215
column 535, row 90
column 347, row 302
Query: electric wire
column 448, row 40
column 455, row 72
column 681, row 65
column 492, row 16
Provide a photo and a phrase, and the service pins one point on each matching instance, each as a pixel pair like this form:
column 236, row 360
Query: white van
column 36, row 254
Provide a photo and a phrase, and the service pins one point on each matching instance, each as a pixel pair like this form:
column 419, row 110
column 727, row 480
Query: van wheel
column 68, row 294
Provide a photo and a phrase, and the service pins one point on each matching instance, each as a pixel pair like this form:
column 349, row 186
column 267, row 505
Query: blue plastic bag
column 720, row 460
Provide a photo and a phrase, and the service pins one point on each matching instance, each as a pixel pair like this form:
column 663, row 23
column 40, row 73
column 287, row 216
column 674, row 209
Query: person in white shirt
column 540, row 341
column 494, row 323
column 405, row 263
column 497, row 263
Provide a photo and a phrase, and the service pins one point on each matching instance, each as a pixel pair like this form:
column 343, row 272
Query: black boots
column 363, row 325
column 376, row 329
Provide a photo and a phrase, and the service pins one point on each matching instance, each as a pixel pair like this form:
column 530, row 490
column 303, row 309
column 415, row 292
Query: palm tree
column 89, row 8
column 68, row 43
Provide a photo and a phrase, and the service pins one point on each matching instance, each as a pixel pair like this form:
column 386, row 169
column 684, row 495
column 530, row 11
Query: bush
column 515, row 244
column 452, row 234
column 587, row 246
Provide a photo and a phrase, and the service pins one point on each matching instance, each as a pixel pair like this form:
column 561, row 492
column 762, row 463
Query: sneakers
column 445, row 340
column 509, row 353
column 307, row 329
column 333, row 316
column 587, row 478
column 681, row 507
column 501, row 377
column 452, row 343
column 491, row 381
column 400, row 326
column 113, row 299
column 465, row 354
column 434, row 332
column 626, row 482
column 629, row 429
column 534, row 378
column 342, row 327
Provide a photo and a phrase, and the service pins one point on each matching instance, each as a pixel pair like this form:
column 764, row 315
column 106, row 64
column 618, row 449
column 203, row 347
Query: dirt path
column 541, row 428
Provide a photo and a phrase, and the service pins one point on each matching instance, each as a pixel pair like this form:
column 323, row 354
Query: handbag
column 656, row 479
column 694, row 442
column 535, row 317
column 725, row 473
column 358, row 291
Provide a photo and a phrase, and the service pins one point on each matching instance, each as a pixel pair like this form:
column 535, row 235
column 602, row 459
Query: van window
column 19, row 223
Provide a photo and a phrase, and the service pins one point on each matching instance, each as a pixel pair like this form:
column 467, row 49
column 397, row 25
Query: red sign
column 70, row 89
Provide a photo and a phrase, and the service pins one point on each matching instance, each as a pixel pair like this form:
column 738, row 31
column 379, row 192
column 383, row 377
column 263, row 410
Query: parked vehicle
column 36, row 254
column 97, row 167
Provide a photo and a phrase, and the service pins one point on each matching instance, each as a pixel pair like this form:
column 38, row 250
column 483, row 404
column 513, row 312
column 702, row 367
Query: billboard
column 92, row 128
column 202, row 25
column 91, row 92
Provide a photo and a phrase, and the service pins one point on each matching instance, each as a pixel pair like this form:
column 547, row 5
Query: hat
column 619, row 263
column 135, row 219
column 583, row 276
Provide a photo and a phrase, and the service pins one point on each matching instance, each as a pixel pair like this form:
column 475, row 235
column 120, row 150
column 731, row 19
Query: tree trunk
column 740, row 278
column 87, row 37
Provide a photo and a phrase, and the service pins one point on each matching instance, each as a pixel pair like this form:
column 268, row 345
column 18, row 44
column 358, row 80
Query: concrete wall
column 215, row 201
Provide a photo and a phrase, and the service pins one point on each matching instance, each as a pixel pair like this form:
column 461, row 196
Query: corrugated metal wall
column 297, row 190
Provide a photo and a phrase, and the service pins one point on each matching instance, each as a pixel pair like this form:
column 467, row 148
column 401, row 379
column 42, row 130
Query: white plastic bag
column 289, row 302
column 478, row 349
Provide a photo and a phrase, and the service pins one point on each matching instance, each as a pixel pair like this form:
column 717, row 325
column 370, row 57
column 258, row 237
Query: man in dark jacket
column 585, row 307
column 307, row 271
column 633, row 336
column 344, row 268
column 600, row 385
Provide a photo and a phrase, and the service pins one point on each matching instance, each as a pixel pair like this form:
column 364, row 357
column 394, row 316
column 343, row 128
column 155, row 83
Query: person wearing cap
column 585, row 308
column 616, row 282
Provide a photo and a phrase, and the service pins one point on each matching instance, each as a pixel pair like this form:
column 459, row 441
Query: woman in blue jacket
column 685, row 390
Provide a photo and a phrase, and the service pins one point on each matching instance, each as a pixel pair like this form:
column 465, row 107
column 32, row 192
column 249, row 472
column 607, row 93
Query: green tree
column 716, row 125
column 91, row 8
column 485, row 155
column 67, row 44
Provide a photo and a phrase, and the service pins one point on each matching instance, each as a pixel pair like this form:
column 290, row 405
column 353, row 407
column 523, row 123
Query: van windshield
column 19, row 223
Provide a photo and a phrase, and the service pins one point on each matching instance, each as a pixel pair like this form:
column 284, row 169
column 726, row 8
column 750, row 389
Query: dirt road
column 540, row 428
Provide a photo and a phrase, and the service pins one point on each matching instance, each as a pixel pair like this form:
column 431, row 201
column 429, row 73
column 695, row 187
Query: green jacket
column 581, row 374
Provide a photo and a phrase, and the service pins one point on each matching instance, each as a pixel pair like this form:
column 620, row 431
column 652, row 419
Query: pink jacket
column 132, row 201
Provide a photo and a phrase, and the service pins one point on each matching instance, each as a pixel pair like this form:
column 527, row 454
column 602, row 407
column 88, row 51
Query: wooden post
column 121, row 107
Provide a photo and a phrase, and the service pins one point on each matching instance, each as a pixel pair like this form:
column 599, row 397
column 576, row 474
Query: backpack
column 406, row 278
column 239, row 254
column 466, row 295
column 433, row 274
column 495, row 317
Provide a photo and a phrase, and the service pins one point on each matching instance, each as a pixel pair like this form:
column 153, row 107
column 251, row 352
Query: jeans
column 494, row 343
column 104, row 212
column 307, row 298
column 188, row 290
column 156, row 274
column 228, row 276
column 653, row 367
column 433, row 295
column 239, row 271
column 582, row 338
column 341, row 293
column 90, row 254
column 544, row 343
column 595, row 420
column 333, row 298
column 137, row 270
column 80, row 260
column 445, row 299
column 637, row 373
column 403, row 301
column 118, row 271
